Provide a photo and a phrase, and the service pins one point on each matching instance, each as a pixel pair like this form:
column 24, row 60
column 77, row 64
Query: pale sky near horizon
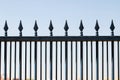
column 58, row 11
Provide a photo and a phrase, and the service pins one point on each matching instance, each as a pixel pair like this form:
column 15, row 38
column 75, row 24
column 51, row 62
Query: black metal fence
column 60, row 57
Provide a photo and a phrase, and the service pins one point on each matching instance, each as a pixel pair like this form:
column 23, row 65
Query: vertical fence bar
column 102, row 60
column 71, row 60
column 0, row 60
column 66, row 49
column 61, row 57
column 112, row 50
column 81, row 46
column 66, row 59
column 107, row 62
column 5, row 60
column 81, row 27
column 25, row 60
column 97, row 52
column 51, row 62
column 10, row 59
column 35, row 48
column 20, row 60
column 45, row 60
column 40, row 60
column 56, row 58
column 97, row 61
column 20, row 51
column 118, row 59
column 15, row 61
column 112, row 27
column 86, row 60
column 35, row 57
column 30, row 59
column 76, row 61
column 91, row 60
column 5, row 51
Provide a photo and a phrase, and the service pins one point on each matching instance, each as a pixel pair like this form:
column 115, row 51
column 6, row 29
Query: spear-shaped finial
column 6, row 28
column 112, row 27
column 35, row 28
column 81, row 27
column 51, row 28
column 20, row 28
column 97, row 28
column 66, row 28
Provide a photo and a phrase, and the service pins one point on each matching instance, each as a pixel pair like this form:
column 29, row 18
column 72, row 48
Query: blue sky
column 58, row 11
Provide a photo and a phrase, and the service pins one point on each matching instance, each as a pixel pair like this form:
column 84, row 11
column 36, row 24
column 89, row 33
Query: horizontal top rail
column 60, row 38
column 51, row 37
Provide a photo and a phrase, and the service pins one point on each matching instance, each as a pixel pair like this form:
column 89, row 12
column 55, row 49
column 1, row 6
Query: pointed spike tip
column 50, row 26
column 35, row 26
column 97, row 26
column 66, row 26
column 20, row 26
column 81, row 26
column 112, row 27
column 6, row 26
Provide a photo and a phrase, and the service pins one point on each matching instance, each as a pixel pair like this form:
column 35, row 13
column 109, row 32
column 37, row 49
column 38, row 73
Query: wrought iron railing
column 76, row 49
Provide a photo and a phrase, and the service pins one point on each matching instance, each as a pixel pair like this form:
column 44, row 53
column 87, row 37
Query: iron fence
column 60, row 57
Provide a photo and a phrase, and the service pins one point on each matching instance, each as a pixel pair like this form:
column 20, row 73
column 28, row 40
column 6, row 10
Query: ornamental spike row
column 66, row 28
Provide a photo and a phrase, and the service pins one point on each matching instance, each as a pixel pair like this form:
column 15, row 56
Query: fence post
column 51, row 52
column 35, row 48
column 66, row 49
column 97, row 51
column 112, row 27
column 81, row 48
column 20, row 50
